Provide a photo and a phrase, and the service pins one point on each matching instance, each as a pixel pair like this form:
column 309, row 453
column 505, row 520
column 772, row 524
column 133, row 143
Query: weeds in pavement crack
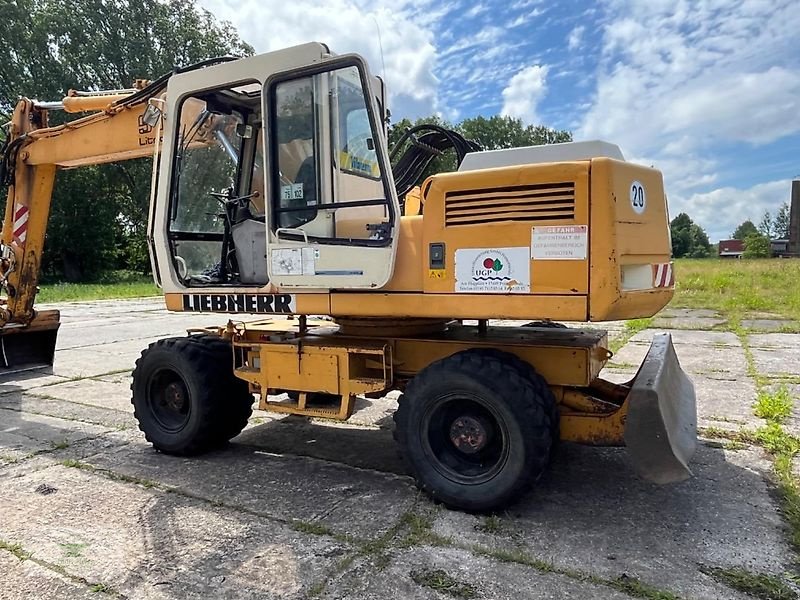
column 757, row 585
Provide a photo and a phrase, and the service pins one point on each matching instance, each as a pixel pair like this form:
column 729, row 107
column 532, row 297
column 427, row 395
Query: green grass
column 736, row 287
column 440, row 581
column 757, row 585
column 632, row 327
column 73, row 549
column 116, row 284
column 15, row 549
column 774, row 406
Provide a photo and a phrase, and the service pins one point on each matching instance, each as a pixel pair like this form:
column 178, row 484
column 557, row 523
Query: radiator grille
column 539, row 202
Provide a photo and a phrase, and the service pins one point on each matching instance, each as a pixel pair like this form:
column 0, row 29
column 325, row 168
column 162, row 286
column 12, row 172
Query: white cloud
column 523, row 93
column 679, row 81
column 575, row 37
column 525, row 18
column 476, row 10
column 407, row 34
column 521, row 4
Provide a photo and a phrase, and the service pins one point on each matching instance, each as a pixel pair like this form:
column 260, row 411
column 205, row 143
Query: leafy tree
column 500, row 132
column 743, row 230
column 99, row 214
column 688, row 238
column 767, row 225
column 781, row 222
column 756, row 245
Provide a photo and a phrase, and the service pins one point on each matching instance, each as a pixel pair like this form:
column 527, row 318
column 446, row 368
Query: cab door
column 332, row 216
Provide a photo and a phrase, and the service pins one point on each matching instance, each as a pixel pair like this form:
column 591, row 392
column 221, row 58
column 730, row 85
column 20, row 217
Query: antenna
column 380, row 45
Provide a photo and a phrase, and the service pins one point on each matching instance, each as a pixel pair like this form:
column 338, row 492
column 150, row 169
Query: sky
column 707, row 91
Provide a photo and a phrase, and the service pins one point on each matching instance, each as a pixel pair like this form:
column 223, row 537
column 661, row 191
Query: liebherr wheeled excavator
column 273, row 196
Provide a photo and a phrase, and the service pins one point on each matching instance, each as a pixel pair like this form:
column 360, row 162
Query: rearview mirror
column 151, row 115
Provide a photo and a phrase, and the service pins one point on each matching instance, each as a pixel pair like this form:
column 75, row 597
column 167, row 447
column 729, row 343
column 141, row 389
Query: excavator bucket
column 661, row 425
column 28, row 347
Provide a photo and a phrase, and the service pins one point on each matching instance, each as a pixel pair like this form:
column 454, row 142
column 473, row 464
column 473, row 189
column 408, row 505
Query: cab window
column 215, row 145
column 327, row 179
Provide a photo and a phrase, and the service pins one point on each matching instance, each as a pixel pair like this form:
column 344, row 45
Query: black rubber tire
column 533, row 375
column 520, row 405
column 216, row 402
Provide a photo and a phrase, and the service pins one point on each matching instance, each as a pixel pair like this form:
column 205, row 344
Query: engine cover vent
column 533, row 203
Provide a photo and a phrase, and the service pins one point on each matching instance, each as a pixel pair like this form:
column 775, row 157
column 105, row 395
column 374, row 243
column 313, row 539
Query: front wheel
column 185, row 396
column 476, row 429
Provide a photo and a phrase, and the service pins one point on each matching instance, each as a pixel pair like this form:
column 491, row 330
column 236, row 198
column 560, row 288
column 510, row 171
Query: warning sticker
column 567, row 242
column 293, row 261
column 493, row 270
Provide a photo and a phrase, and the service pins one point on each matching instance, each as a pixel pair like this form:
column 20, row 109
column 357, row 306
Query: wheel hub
column 469, row 434
column 174, row 398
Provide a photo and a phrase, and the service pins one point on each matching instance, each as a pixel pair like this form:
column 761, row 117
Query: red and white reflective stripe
column 663, row 275
column 20, row 223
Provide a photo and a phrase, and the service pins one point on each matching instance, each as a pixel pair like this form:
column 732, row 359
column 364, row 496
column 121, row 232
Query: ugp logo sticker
column 491, row 266
column 493, row 270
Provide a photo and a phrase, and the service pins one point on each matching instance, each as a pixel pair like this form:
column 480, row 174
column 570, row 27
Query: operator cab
column 280, row 176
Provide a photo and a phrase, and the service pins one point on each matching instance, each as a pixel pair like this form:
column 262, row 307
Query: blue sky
column 707, row 91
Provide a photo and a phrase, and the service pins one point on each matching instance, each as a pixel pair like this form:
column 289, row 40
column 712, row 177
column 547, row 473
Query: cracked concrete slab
column 472, row 576
column 72, row 410
column 769, row 325
column 590, row 512
column 101, row 393
column 717, row 339
column 678, row 323
column 348, row 500
column 27, row 433
column 774, row 340
column 145, row 543
column 726, row 404
column 28, row 579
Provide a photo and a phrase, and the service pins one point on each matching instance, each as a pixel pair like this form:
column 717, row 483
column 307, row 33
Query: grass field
column 118, row 284
column 739, row 288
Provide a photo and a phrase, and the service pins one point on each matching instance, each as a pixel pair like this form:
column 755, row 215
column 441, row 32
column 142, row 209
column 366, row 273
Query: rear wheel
column 185, row 396
column 476, row 429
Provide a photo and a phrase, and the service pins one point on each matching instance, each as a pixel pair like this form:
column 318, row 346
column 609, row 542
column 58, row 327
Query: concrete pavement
column 295, row 508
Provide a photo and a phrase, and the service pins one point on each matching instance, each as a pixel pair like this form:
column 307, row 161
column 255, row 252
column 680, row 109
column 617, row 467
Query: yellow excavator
column 274, row 201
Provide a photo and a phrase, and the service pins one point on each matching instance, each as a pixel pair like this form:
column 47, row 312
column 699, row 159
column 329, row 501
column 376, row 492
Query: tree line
column 689, row 240
column 98, row 214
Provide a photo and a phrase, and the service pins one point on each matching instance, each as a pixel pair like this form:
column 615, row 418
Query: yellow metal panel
column 312, row 369
column 619, row 235
column 460, row 306
column 562, row 356
column 408, row 266
column 596, row 430
column 562, row 277
column 568, row 365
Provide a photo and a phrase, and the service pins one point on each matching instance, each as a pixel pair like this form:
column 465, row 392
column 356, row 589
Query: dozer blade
column 661, row 425
column 28, row 347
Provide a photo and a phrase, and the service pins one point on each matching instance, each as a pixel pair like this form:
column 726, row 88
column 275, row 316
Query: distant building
column 779, row 248
column 731, row 248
